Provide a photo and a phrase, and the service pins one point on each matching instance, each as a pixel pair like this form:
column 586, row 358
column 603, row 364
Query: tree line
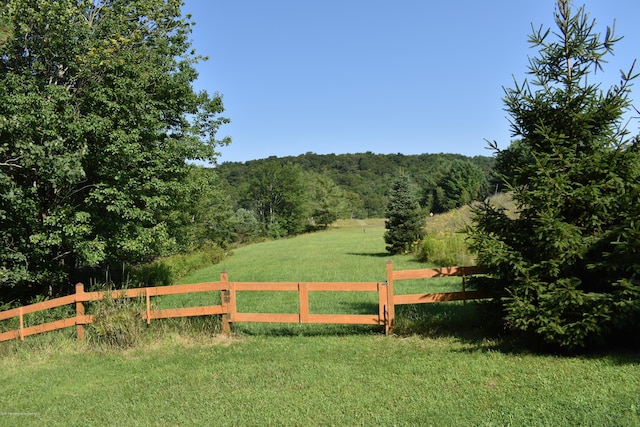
column 317, row 189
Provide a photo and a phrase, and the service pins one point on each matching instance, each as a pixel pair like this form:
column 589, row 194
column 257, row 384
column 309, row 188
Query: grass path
column 351, row 251
column 328, row 377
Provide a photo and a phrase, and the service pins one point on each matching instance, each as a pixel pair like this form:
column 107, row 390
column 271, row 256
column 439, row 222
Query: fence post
column 225, row 299
column 21, row 324
column 148, row 301
column 79, row 311
column 382, row 304
column 391, row 313
column 303, row 296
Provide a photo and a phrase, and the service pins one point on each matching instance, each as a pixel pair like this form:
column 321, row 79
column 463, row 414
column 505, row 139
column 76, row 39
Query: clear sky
column 350, row 76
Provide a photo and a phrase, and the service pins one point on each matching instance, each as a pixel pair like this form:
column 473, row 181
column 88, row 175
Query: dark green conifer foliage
column 404, row 222
column 569, row 263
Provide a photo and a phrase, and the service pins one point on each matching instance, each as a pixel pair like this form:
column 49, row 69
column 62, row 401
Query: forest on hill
column 362, row 180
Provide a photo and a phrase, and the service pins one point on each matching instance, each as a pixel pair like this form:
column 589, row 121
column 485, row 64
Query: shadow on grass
column 475, row 323
column 370, row 254
column 306, row 330
column 480, row 326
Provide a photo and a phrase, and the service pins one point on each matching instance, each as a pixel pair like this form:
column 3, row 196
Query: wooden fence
column 227, row 308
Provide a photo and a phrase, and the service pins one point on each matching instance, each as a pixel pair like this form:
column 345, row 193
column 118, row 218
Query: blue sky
column 350, row 76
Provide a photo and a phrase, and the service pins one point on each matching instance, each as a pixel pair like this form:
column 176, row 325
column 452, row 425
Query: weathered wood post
column 303, row 302
column 391, row 313
column 80, row 311
column 147, row 298
column 21, row 323
column 225, row 299
column 382, row 305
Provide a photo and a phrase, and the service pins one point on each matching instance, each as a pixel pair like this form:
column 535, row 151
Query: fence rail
column 227, row 309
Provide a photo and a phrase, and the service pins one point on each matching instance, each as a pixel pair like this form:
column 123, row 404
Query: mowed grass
column 350, row 251
column 359, row 380
column 287, row 375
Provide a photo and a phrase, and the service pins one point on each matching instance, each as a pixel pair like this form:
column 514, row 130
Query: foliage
column 364, row 177
column 569, row 262
column 246, row 227
column 278, row 194
column 462, row 184
column 328, row 202
column 405, row 221
column 509, row 160
column 98, row 118
column 202, row 215
column 169, row 270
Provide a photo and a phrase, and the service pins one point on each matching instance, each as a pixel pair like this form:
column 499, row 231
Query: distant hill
column 443, row 181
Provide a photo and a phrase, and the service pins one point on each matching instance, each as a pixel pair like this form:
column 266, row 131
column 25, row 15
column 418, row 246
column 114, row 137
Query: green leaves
column 279, row 195
column 98, row 118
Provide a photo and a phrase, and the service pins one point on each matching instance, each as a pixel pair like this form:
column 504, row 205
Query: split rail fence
column 227, row 309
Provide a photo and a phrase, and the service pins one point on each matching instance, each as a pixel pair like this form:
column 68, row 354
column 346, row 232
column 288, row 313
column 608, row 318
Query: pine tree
column 569, row 263
column 404, row 222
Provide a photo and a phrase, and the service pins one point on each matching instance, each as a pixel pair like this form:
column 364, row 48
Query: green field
column 441, row 369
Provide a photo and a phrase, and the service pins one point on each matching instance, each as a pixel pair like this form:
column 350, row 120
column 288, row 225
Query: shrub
column 445, row 249
column 167, row 271
column 117, row 322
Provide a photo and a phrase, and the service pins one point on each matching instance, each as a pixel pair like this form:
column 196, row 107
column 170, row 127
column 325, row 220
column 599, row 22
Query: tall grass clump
column 445, row 249
column 117, row 322
column 446, row 241
column 169, row 270
column 444, row 244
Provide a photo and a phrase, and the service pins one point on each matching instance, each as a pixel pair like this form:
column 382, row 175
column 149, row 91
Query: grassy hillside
column 324, row 376
column 351, row 250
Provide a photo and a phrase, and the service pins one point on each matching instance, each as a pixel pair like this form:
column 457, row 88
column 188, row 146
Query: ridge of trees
column 443, row 181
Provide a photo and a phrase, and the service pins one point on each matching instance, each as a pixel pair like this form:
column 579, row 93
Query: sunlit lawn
column 296, row 375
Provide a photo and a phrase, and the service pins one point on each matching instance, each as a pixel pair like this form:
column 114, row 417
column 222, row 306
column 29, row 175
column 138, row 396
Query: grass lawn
column 451, row 374
column 351, row 251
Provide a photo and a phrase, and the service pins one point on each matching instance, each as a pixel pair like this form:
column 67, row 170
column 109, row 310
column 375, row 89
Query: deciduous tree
column 279, row 194
column 328, row 202
column 98, row 118
column 462, row 184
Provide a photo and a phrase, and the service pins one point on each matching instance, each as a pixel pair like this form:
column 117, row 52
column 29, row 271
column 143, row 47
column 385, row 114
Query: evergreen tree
column 404, row 222
column 568, row 265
